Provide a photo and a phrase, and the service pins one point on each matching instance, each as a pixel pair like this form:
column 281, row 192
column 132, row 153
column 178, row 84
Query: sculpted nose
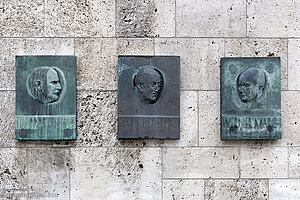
column 58, row 86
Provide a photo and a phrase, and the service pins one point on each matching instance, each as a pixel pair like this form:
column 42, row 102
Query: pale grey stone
column 260, row 48
column 48, row 173
column 294, row 64
column 150, row 18
column 199, row 61
column 294, row 162
column 201, row 162
column 116, row 173
column 69, row 18
column 274, row 18
column 239, row 189
column 264, row 162
column 284, row 189
column 212, row 18
column 22, row 18
column 183, row 189
column 9, row 48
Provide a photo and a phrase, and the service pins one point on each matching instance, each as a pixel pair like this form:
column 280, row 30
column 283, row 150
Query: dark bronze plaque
column 149, row 97
column 251, row 98
column 45, row 97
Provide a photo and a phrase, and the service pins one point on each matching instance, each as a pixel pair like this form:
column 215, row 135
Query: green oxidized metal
column 250, row 98
column 45, row 97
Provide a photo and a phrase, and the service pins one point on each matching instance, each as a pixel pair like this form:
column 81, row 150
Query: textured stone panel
column 48, row 173
column 260, row 48
column 201, row 162
column 274, row 18
column 242, row 189
column 264, row 162
column 284, row 189
column 149, row 18
column 294, row 64
column 183, row 189
column 69, row 18
column 294, row 162
column 199, row 61
column 212, row 18
column 97, row 60
column 119, row 174
column 9, row 48
column 22, row 18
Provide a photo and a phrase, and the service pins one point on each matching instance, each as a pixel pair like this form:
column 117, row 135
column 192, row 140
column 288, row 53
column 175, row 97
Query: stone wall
column 98, row 166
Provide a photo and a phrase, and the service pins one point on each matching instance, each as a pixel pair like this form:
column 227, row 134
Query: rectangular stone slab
column 149, row 97
column 250, row 98
column 45, row 98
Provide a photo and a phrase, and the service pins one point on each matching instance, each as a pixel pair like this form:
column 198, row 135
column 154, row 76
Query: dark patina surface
column 250, row 98
column 149, row 97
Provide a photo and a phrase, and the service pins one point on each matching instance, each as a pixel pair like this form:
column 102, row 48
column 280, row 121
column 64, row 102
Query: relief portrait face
column 53, row 86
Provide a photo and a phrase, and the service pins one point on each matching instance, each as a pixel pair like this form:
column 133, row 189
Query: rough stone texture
column 183, row 189
column 48, row 173
column 119, row 174
column 242, row 189
column 260, row 48
column 201, row 163
column 9, row 48
column 97, row 60
column 82, row 18
column 294, row 162
column 293, row 64
column 264, row 162
column 148, row 18
column 212, row 18
column 274, row 18
column 199, row 61
column 284, row 189
column 22, row 18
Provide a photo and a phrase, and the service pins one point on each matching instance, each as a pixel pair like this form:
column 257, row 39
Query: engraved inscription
column 147, row 122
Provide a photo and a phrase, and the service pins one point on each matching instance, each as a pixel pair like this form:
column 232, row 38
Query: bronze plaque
column 251, row 98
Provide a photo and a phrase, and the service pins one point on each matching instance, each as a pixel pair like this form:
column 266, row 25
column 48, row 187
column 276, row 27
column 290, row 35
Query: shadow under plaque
column 251, row 98
column 149, row 97
column 45, row 98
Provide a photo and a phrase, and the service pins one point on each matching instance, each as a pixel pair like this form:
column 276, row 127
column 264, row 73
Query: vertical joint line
column 287, row 64
column 246, row 19
column 198, row 119
column 175, row 18
column 116, row 19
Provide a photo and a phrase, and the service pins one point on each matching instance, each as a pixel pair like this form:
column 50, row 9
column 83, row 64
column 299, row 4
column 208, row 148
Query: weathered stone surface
column 22, row 18
column 48, row 173
column 242, row 189
column 294, row 162
column 119, row 174
column 200, row 162
column 260, row 48
column 9, row 48
column 153, row 18
column 280, row 19
column 200, row 61
column 183, row 189
column 210, row 18
column 284, row 189
column 97, row 60
column 264, row 162
column 68, row 18
column 293, row 64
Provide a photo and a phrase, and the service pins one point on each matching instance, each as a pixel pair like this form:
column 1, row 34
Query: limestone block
column 236, row 189
column 9, row 48
column 274, row 18
column 201, row 162
column 212, row 18
column 199, row 61
column 69, row 18
column 183, row 189
column 116, row 173
column 264, row 162
column 153, row 18
column 260, row 48
column 294, row 64
column 97, row 60
column 281, row 189
column 48, row 173
column 294, row 162
column 22, row 18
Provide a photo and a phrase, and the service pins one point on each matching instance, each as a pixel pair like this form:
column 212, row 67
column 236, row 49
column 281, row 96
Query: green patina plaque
column 45, row 98
column 250, row 98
